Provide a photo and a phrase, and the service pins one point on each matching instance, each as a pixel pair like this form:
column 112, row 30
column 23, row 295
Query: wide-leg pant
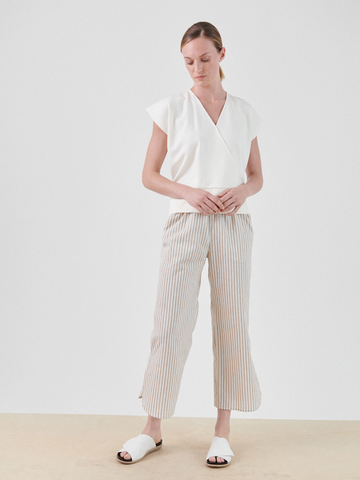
column 188, row 239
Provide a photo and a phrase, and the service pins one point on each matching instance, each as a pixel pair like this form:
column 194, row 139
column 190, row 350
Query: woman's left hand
column 233, row 198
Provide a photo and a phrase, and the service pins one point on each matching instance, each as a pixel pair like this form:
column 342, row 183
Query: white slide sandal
column 219, row 447
column 138, row 447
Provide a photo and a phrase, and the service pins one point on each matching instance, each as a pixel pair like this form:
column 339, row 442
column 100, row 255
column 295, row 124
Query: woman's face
column 202, row 60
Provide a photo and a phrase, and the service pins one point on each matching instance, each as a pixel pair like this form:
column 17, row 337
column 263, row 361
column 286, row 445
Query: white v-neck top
column 202, row 154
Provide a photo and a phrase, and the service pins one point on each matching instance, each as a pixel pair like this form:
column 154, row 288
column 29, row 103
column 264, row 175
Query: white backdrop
column 81, row 235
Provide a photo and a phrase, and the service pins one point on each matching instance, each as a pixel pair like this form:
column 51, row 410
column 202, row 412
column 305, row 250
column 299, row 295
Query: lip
column 201, row 76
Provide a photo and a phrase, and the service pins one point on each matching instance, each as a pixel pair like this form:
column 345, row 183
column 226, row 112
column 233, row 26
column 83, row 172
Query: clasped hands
column 230, row 200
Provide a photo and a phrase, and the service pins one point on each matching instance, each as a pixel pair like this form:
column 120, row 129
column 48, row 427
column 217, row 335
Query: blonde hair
column 204, row 29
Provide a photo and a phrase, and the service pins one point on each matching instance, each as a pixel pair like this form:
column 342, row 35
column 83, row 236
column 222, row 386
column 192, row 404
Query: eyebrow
column 200, row 55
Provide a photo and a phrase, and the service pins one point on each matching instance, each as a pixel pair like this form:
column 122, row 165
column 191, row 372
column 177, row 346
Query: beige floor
column 71, row 447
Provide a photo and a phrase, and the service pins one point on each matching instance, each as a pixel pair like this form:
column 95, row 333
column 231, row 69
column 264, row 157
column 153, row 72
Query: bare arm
column 154, row 160
column 254, row 174
column 200, row 199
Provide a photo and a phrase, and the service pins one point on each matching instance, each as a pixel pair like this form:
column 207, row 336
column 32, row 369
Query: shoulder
column 241, row 103
column 165, row 110
column 177, row 99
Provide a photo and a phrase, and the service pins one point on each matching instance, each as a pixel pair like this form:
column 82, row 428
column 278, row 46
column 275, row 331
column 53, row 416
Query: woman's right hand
column 205, row 202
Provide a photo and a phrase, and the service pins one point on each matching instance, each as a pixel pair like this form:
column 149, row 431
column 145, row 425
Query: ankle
column 153, row 428
column 153, row 423
column 222, row 430
column 155, row 433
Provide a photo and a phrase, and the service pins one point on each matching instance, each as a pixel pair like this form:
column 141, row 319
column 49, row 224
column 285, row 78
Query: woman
column 210, row 138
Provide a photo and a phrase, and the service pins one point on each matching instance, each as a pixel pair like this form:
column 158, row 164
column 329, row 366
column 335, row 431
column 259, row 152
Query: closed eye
column 203, row 61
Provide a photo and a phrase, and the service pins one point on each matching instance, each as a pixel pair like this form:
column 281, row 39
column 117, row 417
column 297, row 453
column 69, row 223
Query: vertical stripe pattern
column 188, row 240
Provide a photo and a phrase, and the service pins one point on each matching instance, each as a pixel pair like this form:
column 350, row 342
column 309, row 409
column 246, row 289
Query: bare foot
column 155, row 433
column 220, row 432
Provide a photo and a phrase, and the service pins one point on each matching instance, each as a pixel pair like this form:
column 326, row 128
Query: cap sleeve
column 159, row 112
column 255, row 123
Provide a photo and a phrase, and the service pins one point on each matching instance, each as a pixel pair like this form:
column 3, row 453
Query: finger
column 230, row 209
column 214, row 207
column 219, row 203
column 223, row 200
column 234, row 211
column 203, row 211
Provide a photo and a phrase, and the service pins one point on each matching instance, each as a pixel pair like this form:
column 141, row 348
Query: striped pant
column 188, row 239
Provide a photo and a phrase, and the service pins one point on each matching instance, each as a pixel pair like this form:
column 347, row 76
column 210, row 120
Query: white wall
column 81, row 236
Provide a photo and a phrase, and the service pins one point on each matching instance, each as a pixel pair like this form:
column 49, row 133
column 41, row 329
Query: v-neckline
column 198, row 99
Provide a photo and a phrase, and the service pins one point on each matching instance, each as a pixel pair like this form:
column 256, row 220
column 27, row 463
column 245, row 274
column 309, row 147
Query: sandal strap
column 220, row 447
column 138, row 446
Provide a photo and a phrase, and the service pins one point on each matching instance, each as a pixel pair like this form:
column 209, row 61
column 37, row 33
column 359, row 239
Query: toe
column 125, row 455
column 216, row 459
